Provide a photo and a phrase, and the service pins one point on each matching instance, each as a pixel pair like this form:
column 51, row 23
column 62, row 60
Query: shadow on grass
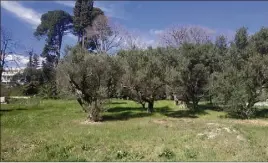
column 209, row 107
column 261, row 113
column 122, row 109
column 113, row 103
column 10, row 110
column 3, row 110
column 125, row 115
column 184, row 113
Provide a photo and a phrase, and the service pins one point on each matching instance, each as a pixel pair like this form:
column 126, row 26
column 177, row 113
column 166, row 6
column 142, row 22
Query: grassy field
column 56, row 130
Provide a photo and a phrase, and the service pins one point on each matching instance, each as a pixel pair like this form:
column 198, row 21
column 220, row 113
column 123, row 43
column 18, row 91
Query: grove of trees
column 190, row 64
column 232, row 75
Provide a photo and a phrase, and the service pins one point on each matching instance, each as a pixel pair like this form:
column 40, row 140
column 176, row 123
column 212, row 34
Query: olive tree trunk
column 150, row 108
column 94, row 113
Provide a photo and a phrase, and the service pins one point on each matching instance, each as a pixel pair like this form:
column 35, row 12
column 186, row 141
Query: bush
column 5, row 91
column 49, row 91
column 167, row 153
column 11, row 91
column 30, row 102
column 31, row 88
column 121, row 154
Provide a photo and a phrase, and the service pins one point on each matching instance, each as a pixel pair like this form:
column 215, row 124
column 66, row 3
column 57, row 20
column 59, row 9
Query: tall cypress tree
column 82, row 18
column 77, row 20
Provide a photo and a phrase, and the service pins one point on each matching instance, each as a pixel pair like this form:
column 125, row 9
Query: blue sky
column 148, row 18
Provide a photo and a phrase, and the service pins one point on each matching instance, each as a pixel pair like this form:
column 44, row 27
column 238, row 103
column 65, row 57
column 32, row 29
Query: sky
column 146, row 18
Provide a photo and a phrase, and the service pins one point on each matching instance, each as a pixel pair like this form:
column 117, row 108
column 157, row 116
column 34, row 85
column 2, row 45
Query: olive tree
column 242, row 82
column 144, row 75
column 87, row 74
column 190, row 76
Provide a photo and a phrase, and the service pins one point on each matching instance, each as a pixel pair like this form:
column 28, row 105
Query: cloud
column 110, row 9
column 155, row 32
column 19, row 60
column 66, row 3
column 26, row 14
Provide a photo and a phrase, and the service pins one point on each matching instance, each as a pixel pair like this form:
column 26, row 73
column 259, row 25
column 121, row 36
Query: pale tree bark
column 106, row 35
column 7, row 47
column 132, row 40
column 177, row 35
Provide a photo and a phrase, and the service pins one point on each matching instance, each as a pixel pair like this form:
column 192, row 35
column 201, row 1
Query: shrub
column 167, row 153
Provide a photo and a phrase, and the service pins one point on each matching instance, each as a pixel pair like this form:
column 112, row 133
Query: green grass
column 54, row 130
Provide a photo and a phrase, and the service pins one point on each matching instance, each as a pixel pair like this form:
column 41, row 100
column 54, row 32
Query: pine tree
column 30, row 63
column 35, row 61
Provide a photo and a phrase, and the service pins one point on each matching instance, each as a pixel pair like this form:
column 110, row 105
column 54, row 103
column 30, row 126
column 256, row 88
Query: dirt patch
column 162, row 121
column 253, row 122
column 240, row 137
column 214, row 130
column 213, row 124
column 87, row 122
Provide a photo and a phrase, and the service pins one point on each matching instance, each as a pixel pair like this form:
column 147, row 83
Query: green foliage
column 49, row 91
column 11, row 91
column 35, row 61
column 82, row 15
column 4, row 91
column 54, row 25
column 31, row 88
column 260, row 41
column 243, row 78
column 145, row 75
column 241, row 38
column 190, row 77
column 33, row 79
column 88, row 75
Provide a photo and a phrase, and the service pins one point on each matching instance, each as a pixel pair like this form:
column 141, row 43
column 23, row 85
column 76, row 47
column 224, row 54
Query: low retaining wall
column 3, row 100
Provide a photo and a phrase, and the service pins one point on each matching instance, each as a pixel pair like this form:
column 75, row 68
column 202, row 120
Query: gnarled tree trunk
column 94, row 113
column 150, row 108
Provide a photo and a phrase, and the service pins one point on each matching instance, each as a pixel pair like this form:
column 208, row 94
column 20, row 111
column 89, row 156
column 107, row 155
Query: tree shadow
column 125, row 115
column 123, row 109
column 183, row 113
column 114, row 103
column 261, row 113
column 210, row 107
column 3, row 111
column 10, row 110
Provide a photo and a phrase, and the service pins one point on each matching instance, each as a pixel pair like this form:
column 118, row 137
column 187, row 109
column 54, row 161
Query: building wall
column 9, row 73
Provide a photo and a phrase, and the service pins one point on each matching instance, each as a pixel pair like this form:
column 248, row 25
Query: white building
column 8, row 73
